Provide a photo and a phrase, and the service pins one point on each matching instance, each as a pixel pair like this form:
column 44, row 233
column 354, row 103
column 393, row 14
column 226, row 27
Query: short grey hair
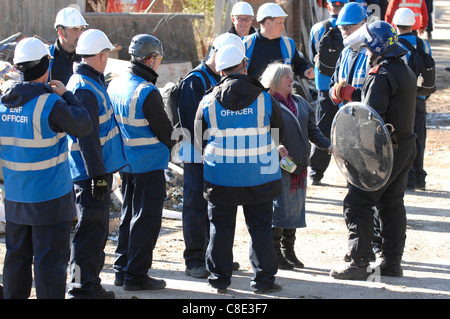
column 273, row 73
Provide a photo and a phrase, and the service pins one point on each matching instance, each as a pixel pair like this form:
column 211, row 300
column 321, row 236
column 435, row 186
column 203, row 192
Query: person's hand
column 100, row 188
column 58, row 87
column 282, row 151
column 330, row 150
column 342, row 91
column 310, row 73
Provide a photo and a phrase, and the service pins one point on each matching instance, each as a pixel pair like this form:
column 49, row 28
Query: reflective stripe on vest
column 132, row 121
column 109, row 133
column 34, row 160
column 240, row 150
column 360, row 68
column 287, row 48
column 144, row 151
column 102, row 119
column 188, row 153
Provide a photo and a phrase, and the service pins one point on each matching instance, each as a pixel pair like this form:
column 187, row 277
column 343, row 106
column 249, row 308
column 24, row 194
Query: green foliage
column 204, row 29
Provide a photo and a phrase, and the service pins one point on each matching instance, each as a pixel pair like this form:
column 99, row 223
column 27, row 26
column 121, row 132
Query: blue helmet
column 341, row 1
column 382, row 39
column 351, row 13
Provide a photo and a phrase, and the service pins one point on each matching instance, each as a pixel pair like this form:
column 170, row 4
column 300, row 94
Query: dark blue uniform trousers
column 359, row 210
column 325, row 112
column 417, row 174
column 195, row 216
column 219, row 255
column 87, row 251
column 49, row 245
column 143, row 199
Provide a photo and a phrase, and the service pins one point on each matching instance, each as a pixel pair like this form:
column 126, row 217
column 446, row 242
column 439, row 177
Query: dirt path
column 322, row 244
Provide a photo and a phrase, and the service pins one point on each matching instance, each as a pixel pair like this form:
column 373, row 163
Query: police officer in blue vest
column 146, row 132
column 195, row 207
column 352, row 65
column 69, row 24
column 241, row 123
column 93, row 160
column 351, row 68
column 40, row 202
column 325, row 109
column 268, row 45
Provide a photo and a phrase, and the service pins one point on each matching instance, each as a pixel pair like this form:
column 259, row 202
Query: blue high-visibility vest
column 287, row 46
column 143, row 150
column 34, row 157
column 240, row 150
column 188, row 153
column 360, row 68
column 109, row 133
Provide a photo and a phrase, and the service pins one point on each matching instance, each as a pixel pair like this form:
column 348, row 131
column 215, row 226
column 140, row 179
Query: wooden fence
column 36, row 17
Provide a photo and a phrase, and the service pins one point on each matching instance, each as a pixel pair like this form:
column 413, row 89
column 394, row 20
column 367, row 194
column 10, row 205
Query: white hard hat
column 228, row 56
column 92, row 42
column 404, row 16
column 242, row 8
column 69, row 17
column 228, row 39
column 269, row 10
column 30, row 49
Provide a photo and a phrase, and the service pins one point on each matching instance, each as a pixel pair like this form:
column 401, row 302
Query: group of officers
column 59, row 163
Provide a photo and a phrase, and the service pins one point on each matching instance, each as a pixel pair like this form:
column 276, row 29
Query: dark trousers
column 219, row 255
column 417, row 174
column 195, row 216
column 325, row 112
column 143, row 200
column 359, row 210
column 46, row 248
column 87, row 251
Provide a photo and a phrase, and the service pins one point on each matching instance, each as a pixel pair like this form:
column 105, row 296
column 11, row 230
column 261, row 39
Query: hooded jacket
column 235, row 93
column 67, row 115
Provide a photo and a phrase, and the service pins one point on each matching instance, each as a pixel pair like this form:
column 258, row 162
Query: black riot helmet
column 144, row 45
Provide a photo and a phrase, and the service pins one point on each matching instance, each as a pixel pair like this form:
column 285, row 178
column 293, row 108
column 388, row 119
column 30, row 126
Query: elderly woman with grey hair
column 300, row 129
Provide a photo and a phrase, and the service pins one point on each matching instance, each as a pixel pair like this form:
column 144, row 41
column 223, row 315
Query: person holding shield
column 387, row 89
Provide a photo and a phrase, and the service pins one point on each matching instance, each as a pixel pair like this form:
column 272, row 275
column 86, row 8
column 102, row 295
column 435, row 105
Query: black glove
column 100, row 188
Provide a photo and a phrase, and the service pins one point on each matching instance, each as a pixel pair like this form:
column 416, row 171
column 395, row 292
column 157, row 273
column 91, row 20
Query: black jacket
column 389, row 88
column 63, row 61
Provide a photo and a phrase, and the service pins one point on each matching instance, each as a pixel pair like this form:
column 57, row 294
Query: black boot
column 356, row 270
column 288, row 243
column 282, row 262
column 391, row 266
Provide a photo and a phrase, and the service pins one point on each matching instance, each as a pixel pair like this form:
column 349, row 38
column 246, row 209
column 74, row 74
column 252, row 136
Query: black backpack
column 172, row 94
column 423, row 65
column 330, row 47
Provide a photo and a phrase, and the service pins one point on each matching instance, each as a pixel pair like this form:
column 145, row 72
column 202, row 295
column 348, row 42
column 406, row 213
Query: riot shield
column 362, row 146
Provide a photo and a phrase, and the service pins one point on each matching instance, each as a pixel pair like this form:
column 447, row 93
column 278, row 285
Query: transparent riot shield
column 362, row 146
